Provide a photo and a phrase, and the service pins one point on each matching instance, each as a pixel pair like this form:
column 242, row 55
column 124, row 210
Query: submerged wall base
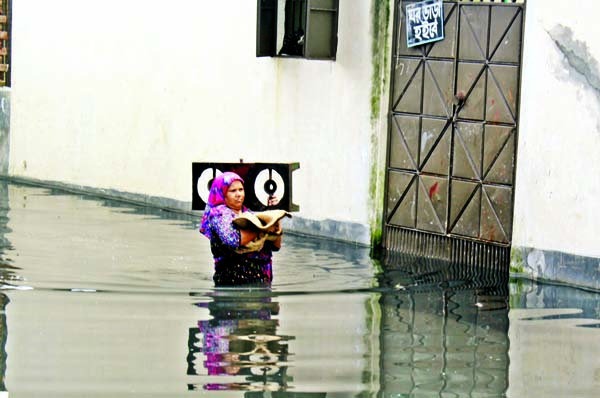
column 348, row 232
column 542, row 265
column 557, row 267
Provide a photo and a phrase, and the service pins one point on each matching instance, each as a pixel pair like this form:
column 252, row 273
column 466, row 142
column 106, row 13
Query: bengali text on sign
column 424, row 22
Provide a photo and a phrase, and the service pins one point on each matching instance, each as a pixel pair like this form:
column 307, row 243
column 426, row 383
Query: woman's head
column 234, row 197
column 227, row 188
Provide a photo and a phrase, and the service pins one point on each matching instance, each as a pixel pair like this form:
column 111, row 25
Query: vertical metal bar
column 429, row 246
column 471, row 254
column 404, row 236
column 483, row 261
column 415, row 242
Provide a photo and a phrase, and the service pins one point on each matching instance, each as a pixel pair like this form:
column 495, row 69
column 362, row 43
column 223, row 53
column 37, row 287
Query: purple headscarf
column 216, row 197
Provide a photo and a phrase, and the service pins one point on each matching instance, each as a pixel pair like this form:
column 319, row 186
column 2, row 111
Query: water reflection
column 584, row 304
column 554, row 341
column 241, row 340
column 7, row 270
column 432, row 328
column 331, row 326
column 6, row 274
column 443, row 330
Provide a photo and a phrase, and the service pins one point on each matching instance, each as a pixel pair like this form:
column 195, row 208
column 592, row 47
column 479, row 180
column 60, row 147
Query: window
column 297, row 28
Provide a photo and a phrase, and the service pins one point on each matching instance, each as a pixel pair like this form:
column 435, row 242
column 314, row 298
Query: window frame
column 320, row 15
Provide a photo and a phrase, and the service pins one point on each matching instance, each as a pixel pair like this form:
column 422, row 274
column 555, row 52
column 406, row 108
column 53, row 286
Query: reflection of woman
column 240, row 339
column 226, row 202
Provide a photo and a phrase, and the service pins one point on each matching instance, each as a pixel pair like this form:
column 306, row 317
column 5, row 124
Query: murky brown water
column 105, row 299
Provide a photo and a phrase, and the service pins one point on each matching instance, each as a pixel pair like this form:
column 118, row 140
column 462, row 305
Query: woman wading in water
column 242, row 256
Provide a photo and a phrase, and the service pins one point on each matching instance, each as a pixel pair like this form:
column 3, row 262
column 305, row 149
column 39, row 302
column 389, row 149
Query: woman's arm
column 277, row 243
column 275, row 236
column 247, row 236
column 221, row 226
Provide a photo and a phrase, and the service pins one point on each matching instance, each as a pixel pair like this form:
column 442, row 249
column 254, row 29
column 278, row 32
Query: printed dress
column 232, row 268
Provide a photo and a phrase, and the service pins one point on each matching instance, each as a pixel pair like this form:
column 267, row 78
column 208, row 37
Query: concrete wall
column 125, row 95
column 4, row 129
column 557, row 176
column 557, row 184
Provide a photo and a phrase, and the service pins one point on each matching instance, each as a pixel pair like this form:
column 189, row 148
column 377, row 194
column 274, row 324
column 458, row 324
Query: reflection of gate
column 453, row 134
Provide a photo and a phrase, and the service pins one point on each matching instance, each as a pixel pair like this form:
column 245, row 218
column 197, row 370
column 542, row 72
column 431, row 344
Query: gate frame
column 465, row 250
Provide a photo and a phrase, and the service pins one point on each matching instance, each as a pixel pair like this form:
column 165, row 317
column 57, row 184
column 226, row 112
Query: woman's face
column 234, row 198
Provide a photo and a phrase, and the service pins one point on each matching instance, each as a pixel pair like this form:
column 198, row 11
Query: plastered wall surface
column 4, row 129
column 557, row 193
column 126, row 95
column 130, row 103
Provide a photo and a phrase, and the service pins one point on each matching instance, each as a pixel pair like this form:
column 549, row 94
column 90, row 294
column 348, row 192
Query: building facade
column 119, row 98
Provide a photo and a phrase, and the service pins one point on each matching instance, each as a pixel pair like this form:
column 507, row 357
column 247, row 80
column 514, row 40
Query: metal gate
column 453, row 135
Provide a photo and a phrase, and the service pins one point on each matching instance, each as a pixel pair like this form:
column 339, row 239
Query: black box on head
column 261, row 180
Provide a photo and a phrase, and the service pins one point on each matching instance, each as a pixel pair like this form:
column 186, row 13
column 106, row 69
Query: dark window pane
column 321, row 38
column 295, row 24
column 266, row 28
column 310, row 28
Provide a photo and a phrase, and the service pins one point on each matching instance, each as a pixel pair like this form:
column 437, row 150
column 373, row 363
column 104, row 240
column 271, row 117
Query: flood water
column 106, row 299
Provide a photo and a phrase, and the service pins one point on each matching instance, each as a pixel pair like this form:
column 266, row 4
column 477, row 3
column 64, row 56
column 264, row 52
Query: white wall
column 557, row 197
column 125, row 95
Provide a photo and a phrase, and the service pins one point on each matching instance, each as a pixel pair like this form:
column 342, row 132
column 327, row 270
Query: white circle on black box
column 205, row 181
column 268, row 183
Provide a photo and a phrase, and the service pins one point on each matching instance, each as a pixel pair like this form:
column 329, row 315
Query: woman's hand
column 276, row 229
column 275, row 235
column 273, row 201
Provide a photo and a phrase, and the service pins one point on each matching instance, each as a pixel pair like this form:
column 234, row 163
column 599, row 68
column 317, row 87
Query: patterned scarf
column 216, row 197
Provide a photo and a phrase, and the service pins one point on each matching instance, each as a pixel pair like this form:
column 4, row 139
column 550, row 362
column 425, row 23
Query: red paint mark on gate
column 433, row 190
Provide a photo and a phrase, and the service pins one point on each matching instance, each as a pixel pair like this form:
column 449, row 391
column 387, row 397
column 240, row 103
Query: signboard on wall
column 424, row 22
